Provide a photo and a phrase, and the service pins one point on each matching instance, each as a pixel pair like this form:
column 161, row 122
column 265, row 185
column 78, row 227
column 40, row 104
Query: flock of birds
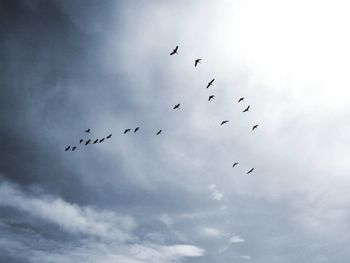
column 177, row 106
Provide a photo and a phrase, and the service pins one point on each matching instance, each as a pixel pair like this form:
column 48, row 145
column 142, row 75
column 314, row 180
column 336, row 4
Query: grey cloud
column 71, row 65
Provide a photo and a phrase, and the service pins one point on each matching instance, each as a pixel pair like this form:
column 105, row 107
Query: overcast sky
column 67, row 66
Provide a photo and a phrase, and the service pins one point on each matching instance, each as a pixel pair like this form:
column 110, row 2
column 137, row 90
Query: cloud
column 110, row 253
column 106, row 66
column 116, row 238
column 216, row 195
column 236, row 239
column 209, row 232
column 70, row 217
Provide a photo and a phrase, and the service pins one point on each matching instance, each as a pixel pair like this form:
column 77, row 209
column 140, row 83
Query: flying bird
column 102, row 140
column 174, row 51
column 255, row 126
column 88, row 130
column 210, row 83
column 176, row 106
column 234, row 164
column 81, row 140
column 95, row 141
column 223, row 122
column 159, row 132
column 67, row 148
column 74, row 148
column 127, row 130
column 241, row 99
column 136, row 129
column 198, row 60
column 251, row 170
column 109, row 136
column 87, row 142
column 247, row 109
column 211, row 97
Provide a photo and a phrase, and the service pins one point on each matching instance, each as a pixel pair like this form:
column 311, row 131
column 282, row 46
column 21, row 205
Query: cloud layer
column 72, row 65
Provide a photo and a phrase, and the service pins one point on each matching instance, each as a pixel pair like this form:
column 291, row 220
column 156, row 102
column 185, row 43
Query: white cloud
column 116, row 243
column 70, row 217
column 209, row 232
column 92, row 252
column 236, row 239
column 216, row 195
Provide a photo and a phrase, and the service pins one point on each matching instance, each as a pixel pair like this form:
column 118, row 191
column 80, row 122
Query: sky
column 67, row 66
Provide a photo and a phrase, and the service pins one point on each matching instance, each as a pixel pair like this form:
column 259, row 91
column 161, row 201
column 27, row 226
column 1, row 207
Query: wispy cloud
column 236, row 239
column 70, row 217
column 116, row 238
column 216, row 195
column 110, row 253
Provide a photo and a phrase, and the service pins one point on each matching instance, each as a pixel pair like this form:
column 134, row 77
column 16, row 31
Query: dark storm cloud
column 50, row 83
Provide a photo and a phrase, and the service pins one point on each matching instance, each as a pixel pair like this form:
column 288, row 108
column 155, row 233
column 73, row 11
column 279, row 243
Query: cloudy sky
column 67, row 66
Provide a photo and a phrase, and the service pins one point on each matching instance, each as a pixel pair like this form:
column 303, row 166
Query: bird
column 174, row 51
column 234, row 164
column 87, row 142
column 198, row 60
column 67, row 148
column 241, row 99
column 223, row 122
column 109, row 136
column 247, row 109
column 176, row 106
column 136, row 129
column 251, row 170
column 74, row 148
column 210, row 83
column 102, row 140
column 159, row 132
column 95, row 141
column 127, row 130
column 211, row 97
column 88, row 130
column 255, row 126
column 81, row 140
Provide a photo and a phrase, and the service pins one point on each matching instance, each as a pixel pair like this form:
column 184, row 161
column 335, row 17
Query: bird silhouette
column 234, row 164
column 88, row 130
column 211, row 97
column 136, row 129
column 81, row 140
column 102, row 140
column 74, row 148
column 210, row 83
column 127, row 130
column 67, row 148
column 198, row 60
column 223, row 122
column 158, row 132
column 95, row 141
column 255, row 126
column 176, row 106
column 251, row 170
column 174, row 51
column 241, row 99
column 109, row 136
column 247, row 109
column 87, row 142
